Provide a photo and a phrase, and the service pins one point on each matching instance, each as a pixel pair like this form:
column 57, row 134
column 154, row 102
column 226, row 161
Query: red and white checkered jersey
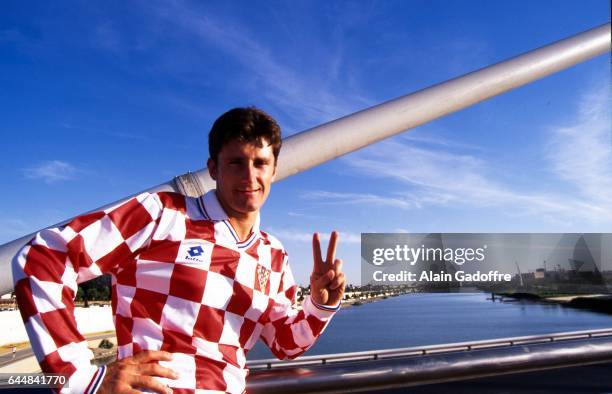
column 182, row 282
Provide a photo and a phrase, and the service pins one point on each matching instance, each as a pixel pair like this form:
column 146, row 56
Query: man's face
column 244, row 172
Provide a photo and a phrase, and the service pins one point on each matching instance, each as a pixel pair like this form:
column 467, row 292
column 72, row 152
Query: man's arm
column 47, row 270
column 289, row 332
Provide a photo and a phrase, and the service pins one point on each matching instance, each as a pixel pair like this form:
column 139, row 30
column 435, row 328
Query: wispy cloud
column 437, row 177
column 303, row 215
column 432, row 171
column 436, row 139
column 306, row 237
column 581, row 153
column 52, row 171
column 297, row 214
column 327, row 197
column 308, row 95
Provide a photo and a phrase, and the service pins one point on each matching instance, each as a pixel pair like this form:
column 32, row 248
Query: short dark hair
column 248, row 124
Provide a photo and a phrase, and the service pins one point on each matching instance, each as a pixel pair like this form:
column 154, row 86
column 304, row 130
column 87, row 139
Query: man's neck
column 243, row 225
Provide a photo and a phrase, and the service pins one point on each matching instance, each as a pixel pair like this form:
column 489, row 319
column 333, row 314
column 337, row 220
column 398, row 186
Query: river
column 434, row 318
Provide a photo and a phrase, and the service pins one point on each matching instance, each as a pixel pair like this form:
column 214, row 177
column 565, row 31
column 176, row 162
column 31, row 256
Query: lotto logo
column 195, row 251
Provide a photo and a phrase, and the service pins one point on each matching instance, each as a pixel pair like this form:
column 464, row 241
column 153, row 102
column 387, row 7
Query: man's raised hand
column 327, row 280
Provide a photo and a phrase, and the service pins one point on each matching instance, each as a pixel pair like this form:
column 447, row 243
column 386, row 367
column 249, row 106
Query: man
column 195, row 281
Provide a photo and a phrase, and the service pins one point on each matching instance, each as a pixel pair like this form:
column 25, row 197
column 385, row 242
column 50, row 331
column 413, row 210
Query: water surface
column 433, row 318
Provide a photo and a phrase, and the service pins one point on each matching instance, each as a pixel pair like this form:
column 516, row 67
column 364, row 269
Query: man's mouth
column 248, row 191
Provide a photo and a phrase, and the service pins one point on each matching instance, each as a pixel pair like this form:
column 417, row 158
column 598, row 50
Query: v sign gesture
column 327, row 280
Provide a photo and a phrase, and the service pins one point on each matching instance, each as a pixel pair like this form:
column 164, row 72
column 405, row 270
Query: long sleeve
column 47, row 270
column 290, row 331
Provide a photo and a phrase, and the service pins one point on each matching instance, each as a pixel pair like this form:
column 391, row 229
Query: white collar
column 214, row 211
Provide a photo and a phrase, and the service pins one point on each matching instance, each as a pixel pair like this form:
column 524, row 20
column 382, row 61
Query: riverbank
column 359, row 302
column 601, row 303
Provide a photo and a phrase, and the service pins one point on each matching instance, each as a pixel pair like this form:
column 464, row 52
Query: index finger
column 316, row 253
column 331, row 248
column 152, row 355
column 154, row 369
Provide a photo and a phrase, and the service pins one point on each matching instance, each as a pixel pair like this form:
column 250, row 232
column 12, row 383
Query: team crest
column 263, row 275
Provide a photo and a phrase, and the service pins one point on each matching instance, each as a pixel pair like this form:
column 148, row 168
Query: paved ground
column 7, row 358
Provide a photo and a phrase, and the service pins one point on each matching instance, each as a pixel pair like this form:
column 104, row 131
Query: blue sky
column 99, row 100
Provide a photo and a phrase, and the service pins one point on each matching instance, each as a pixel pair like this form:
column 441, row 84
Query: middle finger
column 155, row 369
column 331, row 248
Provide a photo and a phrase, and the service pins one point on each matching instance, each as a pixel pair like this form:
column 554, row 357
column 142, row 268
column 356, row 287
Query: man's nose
column 248, row 172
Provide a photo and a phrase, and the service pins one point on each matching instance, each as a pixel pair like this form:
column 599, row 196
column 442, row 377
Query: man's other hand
column 327, row 280
column 137, row 372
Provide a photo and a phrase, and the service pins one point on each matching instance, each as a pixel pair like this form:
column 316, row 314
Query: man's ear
column 212, row 168
column 274, row 173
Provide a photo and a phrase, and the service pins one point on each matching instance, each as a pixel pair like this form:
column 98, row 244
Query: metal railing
column 373, row 355
column 414, row 366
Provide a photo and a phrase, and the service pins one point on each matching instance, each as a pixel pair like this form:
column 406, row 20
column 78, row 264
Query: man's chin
column 250, row 207
column 247, row 205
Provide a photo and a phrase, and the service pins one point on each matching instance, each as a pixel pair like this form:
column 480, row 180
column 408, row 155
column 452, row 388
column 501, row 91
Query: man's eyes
column 257, row 163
